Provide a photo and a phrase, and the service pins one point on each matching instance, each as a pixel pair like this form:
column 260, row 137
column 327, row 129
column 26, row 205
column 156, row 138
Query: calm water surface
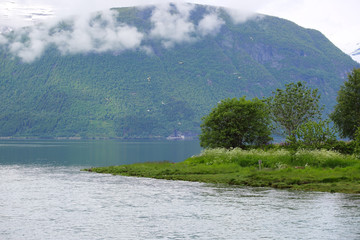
column 43, row 195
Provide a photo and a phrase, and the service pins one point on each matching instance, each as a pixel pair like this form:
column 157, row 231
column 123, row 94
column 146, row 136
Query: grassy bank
column 316, row 170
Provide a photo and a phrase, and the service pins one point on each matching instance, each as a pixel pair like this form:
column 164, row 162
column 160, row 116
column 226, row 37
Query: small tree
column 294, row 106
column 236, row 123
column 346, row 115
column 313, row 134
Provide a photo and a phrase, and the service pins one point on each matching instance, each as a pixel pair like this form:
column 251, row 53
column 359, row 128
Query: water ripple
column 63, row 203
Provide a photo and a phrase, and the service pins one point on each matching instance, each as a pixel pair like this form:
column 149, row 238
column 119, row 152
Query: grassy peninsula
column 236, row 136
column 308, row 170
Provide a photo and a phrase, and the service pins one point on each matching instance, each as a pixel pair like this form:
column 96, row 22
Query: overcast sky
column 338, row 19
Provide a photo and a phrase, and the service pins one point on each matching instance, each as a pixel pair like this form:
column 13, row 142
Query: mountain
column 153, row 71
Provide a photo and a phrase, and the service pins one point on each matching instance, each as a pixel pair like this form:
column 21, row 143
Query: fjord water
column 44, row 195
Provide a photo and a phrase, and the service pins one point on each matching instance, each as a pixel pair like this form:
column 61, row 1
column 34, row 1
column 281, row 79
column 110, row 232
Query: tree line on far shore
column 293, row 112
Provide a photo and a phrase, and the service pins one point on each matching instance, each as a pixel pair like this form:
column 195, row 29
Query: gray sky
column 338, row 19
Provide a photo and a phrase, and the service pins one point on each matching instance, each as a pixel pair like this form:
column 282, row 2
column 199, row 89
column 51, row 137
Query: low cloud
column 171, row 24
column 240, row 16
column 95, row 33
column 29, row 45
column 3, row 40
column 210, row 24
column 337, row 20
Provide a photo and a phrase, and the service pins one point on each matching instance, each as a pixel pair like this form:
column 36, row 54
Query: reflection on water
column 45, row 196
column 95, row 153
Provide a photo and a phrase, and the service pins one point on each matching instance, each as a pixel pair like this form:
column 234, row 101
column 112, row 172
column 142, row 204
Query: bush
column 313, row 135
column 236, row 123
column 341, row 147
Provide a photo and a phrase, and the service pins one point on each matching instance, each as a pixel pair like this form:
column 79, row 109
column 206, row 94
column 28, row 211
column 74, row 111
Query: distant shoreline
column 94, row 138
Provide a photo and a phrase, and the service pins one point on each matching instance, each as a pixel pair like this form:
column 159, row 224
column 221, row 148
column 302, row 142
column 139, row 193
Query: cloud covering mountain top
column 336, row 19
column 101, row 32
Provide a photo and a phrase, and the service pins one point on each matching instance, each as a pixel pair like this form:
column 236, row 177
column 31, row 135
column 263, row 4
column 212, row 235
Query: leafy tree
column 236, row 123
column 357, row 142
column 313, row 134
column 294, row 106
column 346, row 115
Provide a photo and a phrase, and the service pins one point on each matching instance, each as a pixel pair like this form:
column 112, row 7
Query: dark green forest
column 133, row 94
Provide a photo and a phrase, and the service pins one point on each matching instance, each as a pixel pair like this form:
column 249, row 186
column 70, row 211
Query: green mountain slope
column 133, row 93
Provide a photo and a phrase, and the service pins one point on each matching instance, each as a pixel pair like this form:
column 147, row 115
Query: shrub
column 313, row 135
column 341, row 147
column 236, row 123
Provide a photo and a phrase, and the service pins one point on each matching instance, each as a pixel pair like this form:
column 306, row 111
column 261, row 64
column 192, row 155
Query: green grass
column 317, row 170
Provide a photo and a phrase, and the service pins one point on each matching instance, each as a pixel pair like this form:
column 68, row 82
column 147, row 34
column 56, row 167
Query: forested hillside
column 163, row 83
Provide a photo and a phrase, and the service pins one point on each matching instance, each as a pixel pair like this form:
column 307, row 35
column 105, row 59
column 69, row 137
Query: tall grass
column 274, row 158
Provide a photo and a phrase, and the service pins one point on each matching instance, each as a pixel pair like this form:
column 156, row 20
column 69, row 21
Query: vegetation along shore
column 309, row 170
column 236, row 135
